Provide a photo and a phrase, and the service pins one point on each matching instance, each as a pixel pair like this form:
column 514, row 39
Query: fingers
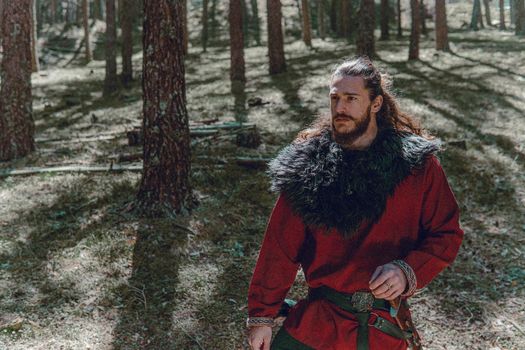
column 389, row 294
column 375, row 274
column 380, row 279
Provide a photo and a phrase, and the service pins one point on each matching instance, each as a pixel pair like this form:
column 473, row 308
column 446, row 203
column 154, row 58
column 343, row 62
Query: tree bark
column 487, row 12
column 346, row 29
column 321, row 29
column 110, row 81
column 85, row 21
column 165, row 186
column 52, row 11
column 307, row 27
column 256, row 22
column 476, row 15
column 502, row 15
column 16, row 121
column 422, row 17
column 512, row 4
column 441, row 26
column 204, row 35
column 413, row 49
column 126, row 24
column 275, row 37
column 520, row 17
column 384, row 20
column 35, row 66
column 399, row 29
column 97, row 10
column 237, row 70
column 365, row 41
column 333, row 15
column 185, row 26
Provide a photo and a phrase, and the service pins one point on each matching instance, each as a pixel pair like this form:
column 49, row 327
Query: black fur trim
column 330, row 187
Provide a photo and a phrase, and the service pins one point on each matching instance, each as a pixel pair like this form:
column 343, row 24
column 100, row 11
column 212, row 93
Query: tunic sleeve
column 278, row 261
column 440, row 233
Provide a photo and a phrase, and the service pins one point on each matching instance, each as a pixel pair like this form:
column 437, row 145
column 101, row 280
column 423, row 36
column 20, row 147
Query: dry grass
column 78, row 272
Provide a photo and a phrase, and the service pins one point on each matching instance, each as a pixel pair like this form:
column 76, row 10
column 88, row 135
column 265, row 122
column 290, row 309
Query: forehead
column 346, row 84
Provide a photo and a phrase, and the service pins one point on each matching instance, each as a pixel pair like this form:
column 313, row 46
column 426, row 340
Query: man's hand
column 388, row 282
column 260, row 337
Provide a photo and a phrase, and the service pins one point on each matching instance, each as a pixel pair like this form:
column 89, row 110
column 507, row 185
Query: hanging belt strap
column 360, row 304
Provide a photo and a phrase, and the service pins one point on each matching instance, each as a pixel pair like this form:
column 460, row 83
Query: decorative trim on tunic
column 331, row 187
column 410, row 275
column 259, row 321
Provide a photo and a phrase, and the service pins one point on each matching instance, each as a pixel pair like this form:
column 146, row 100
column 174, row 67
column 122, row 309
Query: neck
column 365, row 140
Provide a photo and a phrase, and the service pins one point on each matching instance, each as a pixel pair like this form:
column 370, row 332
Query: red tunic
column 420, row 225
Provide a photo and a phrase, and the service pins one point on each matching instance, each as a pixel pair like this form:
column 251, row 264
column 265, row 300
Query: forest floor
column 77, row 271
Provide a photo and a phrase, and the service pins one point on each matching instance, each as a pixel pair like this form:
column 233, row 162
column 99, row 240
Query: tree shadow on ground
column 53, row 229
column 145, row 320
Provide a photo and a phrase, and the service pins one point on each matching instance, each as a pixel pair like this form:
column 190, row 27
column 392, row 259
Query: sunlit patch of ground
column 78, row 272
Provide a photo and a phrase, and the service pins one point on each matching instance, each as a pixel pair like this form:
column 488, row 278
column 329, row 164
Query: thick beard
column 361, row 126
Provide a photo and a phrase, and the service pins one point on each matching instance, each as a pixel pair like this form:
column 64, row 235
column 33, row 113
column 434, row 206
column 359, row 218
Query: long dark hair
column 376, row 83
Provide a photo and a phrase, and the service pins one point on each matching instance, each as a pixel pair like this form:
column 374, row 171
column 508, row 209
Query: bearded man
column 365, row 209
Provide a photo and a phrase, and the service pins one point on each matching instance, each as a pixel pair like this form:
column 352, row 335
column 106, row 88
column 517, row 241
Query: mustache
column 343, row 116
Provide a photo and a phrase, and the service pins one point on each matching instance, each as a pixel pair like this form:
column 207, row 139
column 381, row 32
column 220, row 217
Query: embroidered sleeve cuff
column 259, row 321
column 410, row 275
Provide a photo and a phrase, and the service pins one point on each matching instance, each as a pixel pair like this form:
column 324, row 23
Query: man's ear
column 377, row 103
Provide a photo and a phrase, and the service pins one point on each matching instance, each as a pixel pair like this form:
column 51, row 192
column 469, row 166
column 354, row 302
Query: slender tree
column 97, row 10
column 422, row 17
column 236, row 42
column 413, row 49
column 321, row 27
column 52, row 11
column 110, row 81
column 275, row 37
column 126, row 26
column 512, row 4
column 502, row 15
column 441, row 26
column 333, row 15
column 520, row 17
column 204, row 35
column 385, row 11
column 486, row 3
column 477, row 18
column 346, row 29
column 85, row 22
column 256, row 22
column 165, row 186
column 399, row 29
column 35, row 66
column 307, row 27
column 16, row 122
column 365, row 41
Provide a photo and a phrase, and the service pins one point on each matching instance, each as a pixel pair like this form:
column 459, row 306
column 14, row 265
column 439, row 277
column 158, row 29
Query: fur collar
column 330, row 187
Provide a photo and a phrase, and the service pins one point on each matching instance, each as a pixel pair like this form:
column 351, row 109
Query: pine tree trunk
column 413, row 49
column 422, row 17
column 185, row 26
column 16, row 121
column 502, row 15
column 275, row 37
column 245, row 23
column 441, row 26
column 384, row 20
column 35, row 66
column 333, row 15
column 126, row 25
column 52, row 11
column 512, row 4
column 399, row 28
column 110, row 81
column 346, row 29
column 476, row 9
column 236, row 42
column 204, row 36
column 97, row 10
column 321, row 29
column 520, row 17
column 213, row 19
column 165, row 186
column 487, row 12
column 85, row 21
column 307, row 27
column 365, row 41
column 256, row 22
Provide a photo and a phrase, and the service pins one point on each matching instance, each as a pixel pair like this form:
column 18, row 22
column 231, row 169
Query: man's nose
column 339, row 107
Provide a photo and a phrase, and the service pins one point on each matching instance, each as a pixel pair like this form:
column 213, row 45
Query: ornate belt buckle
column 362, row 301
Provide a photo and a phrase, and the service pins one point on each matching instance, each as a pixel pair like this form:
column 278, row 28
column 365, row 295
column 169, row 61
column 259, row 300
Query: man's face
column 350, row 107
